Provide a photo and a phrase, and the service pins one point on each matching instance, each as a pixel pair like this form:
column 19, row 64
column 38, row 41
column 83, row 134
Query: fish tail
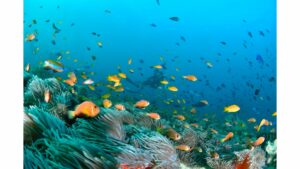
column 71, row 114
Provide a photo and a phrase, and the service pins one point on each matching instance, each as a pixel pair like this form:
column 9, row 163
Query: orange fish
column 227, row 137
column 85, row 109
column 263, row 122
column 69, row 82
column 120, row 107
column 252, row 120
column 47, row 96
column 72, row 77
column 190, row 78
column 183, row 147
column 215, row 155
column 214, row 131
column 195, row 125
column 172, row 134
column 154, row 116
column 119, row 89
column 193, row 110
column 180, row 117
column 259, row 141
column 142, row 104
column 106, row 103
column 30, row 37
column 173, row 88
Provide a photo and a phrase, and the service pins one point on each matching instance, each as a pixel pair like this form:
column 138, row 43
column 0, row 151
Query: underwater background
column 213, row 53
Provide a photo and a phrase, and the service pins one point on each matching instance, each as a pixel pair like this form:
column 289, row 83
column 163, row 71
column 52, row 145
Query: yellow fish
column 165, row 82
column 91, row 87
column 262, row 123
column 173, row 88
column 157, row 66
column 232, row 108
column 105, row 96
column 122, row 75
column 274, row 114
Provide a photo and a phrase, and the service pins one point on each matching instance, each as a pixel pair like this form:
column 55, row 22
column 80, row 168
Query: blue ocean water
column 237, row 37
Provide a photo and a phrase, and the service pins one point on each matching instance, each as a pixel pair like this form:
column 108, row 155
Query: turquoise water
column 237, row 37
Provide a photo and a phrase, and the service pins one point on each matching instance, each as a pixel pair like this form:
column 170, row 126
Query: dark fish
column 272, row 79
column 98, row 35
column 189, row 60
column 153, row 25
column 72, row 24
column 88, row 48
column 58, row 7
column 141, row 61
column 223, row 43
column 34, row 21
column 245, row 45
column 53, row 42
column 177, row 43
column 94, row 57
column 94, row 33
column 182, row 38
column 56, row 30
column 244, row 20
column 174, row 18
column 261, row 33
column 250, row 34
column 107, row 11
column 48, row 20
column 259, row 59
column 157, row 2
column 41, row 7
column 256, row 92
column 30, row 26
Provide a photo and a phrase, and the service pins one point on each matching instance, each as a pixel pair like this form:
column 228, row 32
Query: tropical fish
column 88, row 82
column 91, row 87
column 232, row 108
column 85, row 109
column 174, row 18
column 142, row 104
column 180, row 117
column 157, row 66
column 172, row 134
column 190, row 78
column 119, row 89
column 120, row 107
column 153, row 115
column 262, row 123
column 183, row 147
column 27, row 68
column 165, row 82
column 47, row 96
column 215, row 155
column 56, row 30
column 274, row 114
column 227, row 137
column 129, row 61
column 214, row 131
column 209, row 64
column 54, row 65
column 72, row 77
column 173, row 88
column 251, row 120
column 195, row 125
column 122, row 75
column 193, row 110
column 30, row 37
column 105, row 96
column 107, row 103
column 69, row 82
column 100, row 44
column 259, row 141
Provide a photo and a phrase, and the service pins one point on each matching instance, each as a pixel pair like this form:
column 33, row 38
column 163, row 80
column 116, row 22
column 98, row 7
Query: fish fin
column 71, row 114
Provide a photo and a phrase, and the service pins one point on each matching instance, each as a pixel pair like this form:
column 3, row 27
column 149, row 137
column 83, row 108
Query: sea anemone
column 252, row 159
column 219, row 163
column 159, row 147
